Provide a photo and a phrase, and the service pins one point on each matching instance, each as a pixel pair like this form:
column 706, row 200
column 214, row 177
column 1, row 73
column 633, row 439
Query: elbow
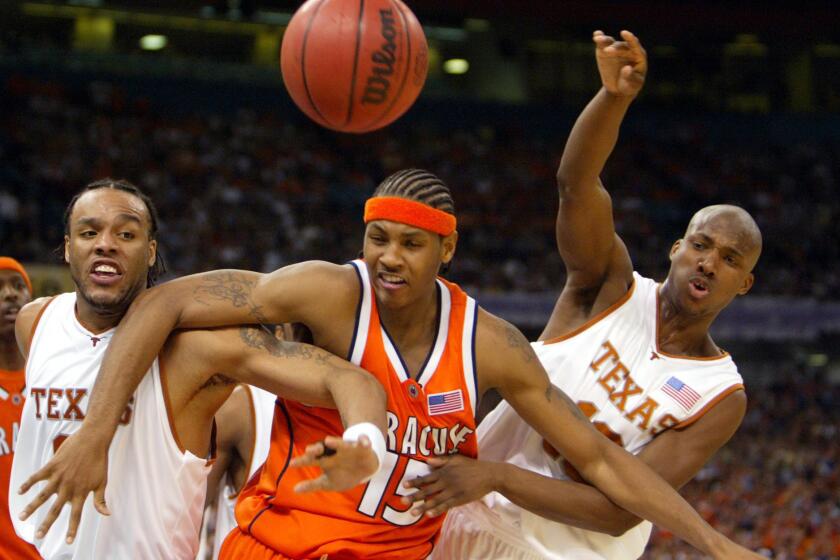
column 563, row 181
column 620, row 524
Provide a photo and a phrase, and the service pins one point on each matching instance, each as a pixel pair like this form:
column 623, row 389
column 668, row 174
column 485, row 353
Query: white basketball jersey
column 630, row 389
column 155, row 490
column 262, row 407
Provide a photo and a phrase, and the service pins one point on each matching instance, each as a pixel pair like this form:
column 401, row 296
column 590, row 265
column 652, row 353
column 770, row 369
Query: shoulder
column 27, row 320
column 501, row 349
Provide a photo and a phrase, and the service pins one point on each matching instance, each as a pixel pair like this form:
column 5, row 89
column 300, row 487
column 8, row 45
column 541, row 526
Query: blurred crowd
column 776, row 486
column 257, row 189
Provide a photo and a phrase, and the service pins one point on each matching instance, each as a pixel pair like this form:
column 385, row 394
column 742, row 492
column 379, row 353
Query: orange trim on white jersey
column 702, row 412
column 592, row 320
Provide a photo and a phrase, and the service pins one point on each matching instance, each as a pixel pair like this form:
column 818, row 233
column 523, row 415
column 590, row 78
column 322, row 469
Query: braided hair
column 418, row 185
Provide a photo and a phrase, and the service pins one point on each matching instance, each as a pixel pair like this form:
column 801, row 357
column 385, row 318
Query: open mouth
column 391, row 281
column 10, row 313
column 105, row 273
column 698, row 288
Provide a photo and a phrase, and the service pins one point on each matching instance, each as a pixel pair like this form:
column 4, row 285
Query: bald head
column 736, row 222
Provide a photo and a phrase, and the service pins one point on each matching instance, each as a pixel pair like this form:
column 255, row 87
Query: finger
column 421, row 480
column 313, row 485
column 39, row 500
column 334, row 442
column 431, row 503
column 99, row 501
column 75, row 517
column 424, row 493
column 437, row 462
column 42, row 474
column 442, row 508
column 311, row 455
column 52, row 515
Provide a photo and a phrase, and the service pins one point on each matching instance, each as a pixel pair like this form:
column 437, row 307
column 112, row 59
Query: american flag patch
column 444, row 403
column 682, row 393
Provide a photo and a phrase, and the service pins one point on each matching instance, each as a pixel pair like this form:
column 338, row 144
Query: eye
column 697, row 245
column 376, row 239
column 127, row 235
column 730, row 259
column 88, row 233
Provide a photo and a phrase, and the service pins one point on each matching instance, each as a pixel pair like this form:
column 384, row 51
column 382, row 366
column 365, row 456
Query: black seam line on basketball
column 359, row 24
column 405, row 75
column 303, row 63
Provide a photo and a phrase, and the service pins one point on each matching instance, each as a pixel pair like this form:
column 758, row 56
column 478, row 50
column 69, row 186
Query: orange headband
column 8, row 263
column 410, row 212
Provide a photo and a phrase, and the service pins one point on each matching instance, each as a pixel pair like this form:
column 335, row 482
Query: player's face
column 711, row 265
column 13, row 295
column 403, row 260
column 108, row 249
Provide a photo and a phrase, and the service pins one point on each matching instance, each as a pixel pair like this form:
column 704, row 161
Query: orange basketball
column 354, row 65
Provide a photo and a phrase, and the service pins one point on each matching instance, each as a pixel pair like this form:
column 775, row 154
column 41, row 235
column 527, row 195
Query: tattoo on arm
column 552, row 392
column 263, row 339
column 232, row 287
column 517, row 341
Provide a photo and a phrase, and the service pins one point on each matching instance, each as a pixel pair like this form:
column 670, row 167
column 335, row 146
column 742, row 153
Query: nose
column 391, row 257
column 8, row 292
column 707, row 264
column 105, row 243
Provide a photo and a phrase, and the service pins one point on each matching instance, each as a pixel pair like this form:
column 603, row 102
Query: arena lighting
column 153, row 42
column 456, row 66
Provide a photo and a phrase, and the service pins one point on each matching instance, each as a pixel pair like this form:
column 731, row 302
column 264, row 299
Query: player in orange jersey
column 15, row 292
column 423, row 338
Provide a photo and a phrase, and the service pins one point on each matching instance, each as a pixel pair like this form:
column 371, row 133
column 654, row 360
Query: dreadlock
column 418, row 185
column 159, row 266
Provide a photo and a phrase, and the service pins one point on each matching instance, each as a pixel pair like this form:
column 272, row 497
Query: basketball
column 354, row 66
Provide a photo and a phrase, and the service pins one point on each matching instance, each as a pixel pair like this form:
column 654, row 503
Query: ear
column 152, row 252
column 67, row 249
column 448, row 245
column 747, row 285
column 674, row 248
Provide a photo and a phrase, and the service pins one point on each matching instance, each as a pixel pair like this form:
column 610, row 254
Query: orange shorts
column 239, row 545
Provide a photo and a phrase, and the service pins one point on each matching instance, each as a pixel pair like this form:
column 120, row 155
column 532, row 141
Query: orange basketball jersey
column 12, row 384
column 428, row 416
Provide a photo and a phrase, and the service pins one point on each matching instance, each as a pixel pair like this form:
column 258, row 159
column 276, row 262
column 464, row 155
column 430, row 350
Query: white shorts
column 469, row 533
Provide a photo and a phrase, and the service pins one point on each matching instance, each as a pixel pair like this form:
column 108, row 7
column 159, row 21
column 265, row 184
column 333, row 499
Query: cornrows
column 159, row 267
column 418, row 185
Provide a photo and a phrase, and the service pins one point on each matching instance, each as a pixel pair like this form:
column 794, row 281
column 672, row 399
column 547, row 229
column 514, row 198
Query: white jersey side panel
column 262, row 403
column 613, row 369
column 155, row 491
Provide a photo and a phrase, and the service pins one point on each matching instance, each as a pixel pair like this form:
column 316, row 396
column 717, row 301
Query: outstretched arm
column 676, row 456
column 507, row 362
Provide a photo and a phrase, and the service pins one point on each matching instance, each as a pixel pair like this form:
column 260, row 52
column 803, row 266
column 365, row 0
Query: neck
column 97, row 320
column 10, row 358
column 682, row 333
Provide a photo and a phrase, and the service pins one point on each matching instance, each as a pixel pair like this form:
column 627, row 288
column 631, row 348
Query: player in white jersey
column 242, row 440
column 158, row 461
column 635, row 355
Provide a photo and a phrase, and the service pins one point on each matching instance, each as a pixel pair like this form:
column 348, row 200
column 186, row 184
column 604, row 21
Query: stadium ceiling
column 688, row 16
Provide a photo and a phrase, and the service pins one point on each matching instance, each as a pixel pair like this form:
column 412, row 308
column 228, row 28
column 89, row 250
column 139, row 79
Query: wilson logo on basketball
column 378, row 83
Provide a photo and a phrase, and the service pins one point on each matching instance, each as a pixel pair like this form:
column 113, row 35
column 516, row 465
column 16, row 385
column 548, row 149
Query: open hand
column 79, row 467
column 454, row 481
column 622, row 64
column 345, row 466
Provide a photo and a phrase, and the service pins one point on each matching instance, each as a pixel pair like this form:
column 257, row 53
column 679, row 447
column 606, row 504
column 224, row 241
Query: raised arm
column 515, row 371
column 591, row 251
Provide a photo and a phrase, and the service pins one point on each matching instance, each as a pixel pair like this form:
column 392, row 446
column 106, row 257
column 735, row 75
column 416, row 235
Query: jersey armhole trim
column 592, row 320
column 35, row 323
column 711, row 404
